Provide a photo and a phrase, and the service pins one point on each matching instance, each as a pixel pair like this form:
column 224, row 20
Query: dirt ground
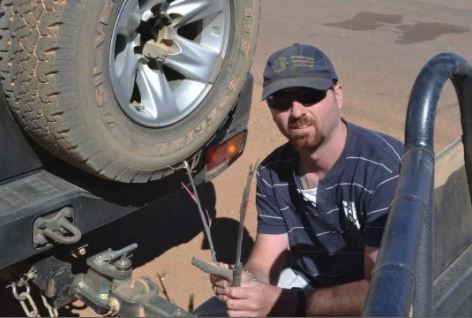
column 377, row 47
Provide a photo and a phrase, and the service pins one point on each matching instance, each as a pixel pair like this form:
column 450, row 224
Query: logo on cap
column 301, row 61
column 280, row 64
column 296, row 61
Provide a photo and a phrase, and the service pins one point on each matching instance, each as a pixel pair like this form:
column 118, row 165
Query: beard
column 305, row 140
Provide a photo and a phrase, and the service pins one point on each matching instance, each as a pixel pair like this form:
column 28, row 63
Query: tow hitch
column 107, row 287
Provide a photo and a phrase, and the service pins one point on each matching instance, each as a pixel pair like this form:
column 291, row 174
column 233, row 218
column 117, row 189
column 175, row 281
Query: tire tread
column 38, row 42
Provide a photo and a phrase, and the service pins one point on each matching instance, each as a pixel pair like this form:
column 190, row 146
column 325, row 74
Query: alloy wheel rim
column 166, row 55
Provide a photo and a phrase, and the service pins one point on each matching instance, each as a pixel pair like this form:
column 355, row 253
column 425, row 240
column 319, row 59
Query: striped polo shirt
column 327, row 238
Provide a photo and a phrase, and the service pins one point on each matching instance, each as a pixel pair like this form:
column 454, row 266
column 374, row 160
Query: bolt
column 123, row 264
column 79, row 251
column 41, row 224
column 82, row 251
column 114, row 305
column 99, row 260
column 68, row 212
column 165, row 18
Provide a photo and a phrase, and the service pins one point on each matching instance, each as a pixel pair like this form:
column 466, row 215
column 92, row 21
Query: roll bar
column 402, row 282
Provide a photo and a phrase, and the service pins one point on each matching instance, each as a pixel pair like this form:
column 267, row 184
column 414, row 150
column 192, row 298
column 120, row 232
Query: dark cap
column 298, row 65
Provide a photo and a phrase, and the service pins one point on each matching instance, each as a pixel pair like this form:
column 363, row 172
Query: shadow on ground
column 171, row 221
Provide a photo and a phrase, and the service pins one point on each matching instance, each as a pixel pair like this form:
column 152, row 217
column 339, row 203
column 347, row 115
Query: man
column 322, row 198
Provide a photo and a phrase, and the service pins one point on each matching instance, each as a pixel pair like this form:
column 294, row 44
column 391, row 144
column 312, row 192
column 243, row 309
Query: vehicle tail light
column 220, row 156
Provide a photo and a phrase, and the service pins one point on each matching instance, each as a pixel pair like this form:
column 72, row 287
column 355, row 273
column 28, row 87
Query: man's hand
column 257, row 297
column 252, row 299
column 214, row 278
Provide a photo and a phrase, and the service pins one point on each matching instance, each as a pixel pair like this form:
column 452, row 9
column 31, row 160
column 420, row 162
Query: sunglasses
column 305, row 96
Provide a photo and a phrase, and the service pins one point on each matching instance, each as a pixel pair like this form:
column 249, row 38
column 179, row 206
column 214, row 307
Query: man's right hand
column 218, row 281
column 255, row 299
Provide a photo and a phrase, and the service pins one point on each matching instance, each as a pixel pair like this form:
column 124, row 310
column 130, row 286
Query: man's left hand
column 252, row 299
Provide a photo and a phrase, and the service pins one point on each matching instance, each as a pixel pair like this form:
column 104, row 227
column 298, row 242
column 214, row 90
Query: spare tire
column 125, row 88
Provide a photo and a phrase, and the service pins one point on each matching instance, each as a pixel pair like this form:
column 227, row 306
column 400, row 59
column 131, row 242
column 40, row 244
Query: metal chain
column 31, row 274
column 26, row 301
column 51, row 309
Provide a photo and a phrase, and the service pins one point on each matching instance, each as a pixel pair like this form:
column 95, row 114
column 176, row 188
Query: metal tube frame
column 402, row 282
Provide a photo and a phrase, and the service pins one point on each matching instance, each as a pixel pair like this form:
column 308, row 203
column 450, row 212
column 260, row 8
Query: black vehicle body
column 34, row 184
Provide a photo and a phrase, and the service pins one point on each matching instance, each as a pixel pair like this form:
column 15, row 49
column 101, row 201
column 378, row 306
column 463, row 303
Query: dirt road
column 378, row 48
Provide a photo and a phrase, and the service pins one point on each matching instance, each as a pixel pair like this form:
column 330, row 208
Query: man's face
column 307, row 125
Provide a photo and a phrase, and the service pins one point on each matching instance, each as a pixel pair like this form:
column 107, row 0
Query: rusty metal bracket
column 56, row 227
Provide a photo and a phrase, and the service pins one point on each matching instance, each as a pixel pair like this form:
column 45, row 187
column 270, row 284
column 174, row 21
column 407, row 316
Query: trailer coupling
column 107, row 286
